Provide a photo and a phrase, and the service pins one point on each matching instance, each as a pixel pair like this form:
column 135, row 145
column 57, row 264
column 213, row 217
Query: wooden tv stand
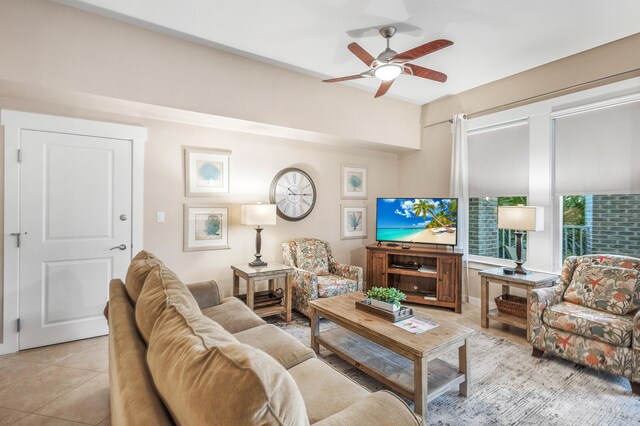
column 440, row 286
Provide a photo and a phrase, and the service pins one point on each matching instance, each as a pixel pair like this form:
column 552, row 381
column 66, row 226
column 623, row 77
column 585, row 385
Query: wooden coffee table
column 408, row 363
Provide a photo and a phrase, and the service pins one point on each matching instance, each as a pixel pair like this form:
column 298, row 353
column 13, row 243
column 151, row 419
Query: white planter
column 384, row 305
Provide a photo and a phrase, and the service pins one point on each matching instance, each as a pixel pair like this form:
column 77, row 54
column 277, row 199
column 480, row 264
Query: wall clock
column 294, row 194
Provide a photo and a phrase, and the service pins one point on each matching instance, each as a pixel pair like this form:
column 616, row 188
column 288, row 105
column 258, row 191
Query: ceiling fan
column 390, row 64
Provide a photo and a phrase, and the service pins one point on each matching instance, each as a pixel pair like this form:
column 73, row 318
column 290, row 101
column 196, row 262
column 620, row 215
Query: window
column 576, row 226
column 574, row 155
column 601, row 224
column 485, row 239
column 598, row 179
column 498, row 176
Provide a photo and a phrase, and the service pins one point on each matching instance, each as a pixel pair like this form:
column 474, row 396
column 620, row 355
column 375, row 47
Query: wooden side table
column 527, row 282
column 272, row 272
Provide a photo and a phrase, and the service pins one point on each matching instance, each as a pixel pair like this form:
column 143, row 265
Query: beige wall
column 50, row 45
column 254, row 162
column 62, row 61
column 601, row 65
column 427, row 171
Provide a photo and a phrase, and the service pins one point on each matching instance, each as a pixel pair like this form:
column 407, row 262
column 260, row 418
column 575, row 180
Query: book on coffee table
column 416, row 325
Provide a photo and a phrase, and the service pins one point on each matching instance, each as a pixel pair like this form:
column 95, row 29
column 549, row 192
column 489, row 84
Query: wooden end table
column 527, row 282
column 408, row 363
column 272, row 272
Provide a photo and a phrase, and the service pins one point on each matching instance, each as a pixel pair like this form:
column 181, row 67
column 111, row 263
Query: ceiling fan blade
column 349, row 77
column 419, row 71
column 425, row 49
column 362, row 54
column 384, row 87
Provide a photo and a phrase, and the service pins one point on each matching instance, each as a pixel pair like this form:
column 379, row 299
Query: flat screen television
column 417, row 220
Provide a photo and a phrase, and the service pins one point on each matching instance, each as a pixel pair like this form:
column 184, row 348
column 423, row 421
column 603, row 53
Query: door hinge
column 18, row 325
column 19, row 156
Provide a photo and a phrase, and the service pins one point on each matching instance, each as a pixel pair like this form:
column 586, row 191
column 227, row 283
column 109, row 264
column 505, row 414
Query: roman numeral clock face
column 293, row 193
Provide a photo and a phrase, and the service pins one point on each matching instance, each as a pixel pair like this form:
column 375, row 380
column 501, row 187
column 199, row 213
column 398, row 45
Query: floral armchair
column 317, row 273
column 592, row 316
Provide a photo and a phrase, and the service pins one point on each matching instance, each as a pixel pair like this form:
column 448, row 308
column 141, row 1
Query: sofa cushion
column 312, row 256
column 233, row 315
column 380, row 408
column 592, row 353
column 334, row 285
column 591, row 323
column 325, row 391
column 162, row 288
column 606, row 288
column 231, row 383
column 278, row 343
column 134, row 401
column 138, row 270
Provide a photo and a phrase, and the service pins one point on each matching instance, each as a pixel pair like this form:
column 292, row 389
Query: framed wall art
column 354, row 181
column 206, row 228
column 353, row 221
column 206, row 172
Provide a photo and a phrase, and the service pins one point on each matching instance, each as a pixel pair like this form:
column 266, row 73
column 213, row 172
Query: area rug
column 510, row 387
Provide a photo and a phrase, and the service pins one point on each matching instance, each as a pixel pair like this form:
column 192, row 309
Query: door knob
column 120, row 247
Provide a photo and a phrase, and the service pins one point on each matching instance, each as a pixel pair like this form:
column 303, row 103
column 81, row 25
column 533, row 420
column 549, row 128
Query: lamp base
column 519, row 262
column 257, row 263
column 519, row 269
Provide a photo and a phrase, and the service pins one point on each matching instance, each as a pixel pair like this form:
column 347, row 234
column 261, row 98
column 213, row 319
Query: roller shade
column 597, row 151
column 499, row 161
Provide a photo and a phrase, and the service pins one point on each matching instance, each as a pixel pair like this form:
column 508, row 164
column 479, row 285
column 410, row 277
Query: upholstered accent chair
column 592, row 316
column 317, row 273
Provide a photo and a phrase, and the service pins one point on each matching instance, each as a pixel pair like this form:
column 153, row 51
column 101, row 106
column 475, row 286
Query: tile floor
column 68, row 384
column 59, row 385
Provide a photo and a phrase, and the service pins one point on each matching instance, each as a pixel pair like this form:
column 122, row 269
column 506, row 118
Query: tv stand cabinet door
column 377, row 270
column 447, row 279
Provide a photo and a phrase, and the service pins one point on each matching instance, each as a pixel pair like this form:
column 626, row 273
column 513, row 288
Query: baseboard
column 475, row 301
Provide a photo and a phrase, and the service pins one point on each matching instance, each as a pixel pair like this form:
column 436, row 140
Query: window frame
column 545, row 247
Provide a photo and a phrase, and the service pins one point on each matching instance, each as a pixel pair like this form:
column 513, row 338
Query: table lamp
column 258, row 215
column 520, row 218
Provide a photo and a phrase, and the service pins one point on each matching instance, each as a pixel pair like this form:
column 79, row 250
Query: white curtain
column 460, row 189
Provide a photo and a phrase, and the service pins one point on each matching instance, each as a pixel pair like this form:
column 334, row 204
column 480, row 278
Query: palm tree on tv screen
column 442, row 217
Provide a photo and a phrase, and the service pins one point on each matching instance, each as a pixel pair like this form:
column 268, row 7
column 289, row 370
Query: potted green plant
column 387, row 298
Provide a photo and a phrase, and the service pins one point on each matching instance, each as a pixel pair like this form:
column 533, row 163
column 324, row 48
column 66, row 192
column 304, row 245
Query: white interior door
column 75, row 223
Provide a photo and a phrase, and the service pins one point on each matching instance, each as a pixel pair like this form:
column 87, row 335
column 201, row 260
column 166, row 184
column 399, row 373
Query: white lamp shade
column 258, row 214
column 521, row 218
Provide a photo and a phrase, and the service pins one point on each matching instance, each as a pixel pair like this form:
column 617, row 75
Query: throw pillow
column 606, row 288
column 219, row 383
column 137, row 273
column 161, row 289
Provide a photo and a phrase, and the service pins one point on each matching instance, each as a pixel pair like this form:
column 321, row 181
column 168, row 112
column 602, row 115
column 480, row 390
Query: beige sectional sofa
column 180, row 355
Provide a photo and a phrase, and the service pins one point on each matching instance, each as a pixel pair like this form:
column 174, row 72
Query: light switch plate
column 160, row 217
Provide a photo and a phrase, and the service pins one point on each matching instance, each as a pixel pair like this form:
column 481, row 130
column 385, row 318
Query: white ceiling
column 493, row 38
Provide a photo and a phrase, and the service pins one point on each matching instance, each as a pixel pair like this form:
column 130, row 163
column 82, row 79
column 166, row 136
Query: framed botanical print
column 206, row 228
column 354, row 181
column 353, row 221
column 206, row 172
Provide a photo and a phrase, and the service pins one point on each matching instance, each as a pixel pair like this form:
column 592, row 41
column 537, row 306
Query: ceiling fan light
column 386, row 72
